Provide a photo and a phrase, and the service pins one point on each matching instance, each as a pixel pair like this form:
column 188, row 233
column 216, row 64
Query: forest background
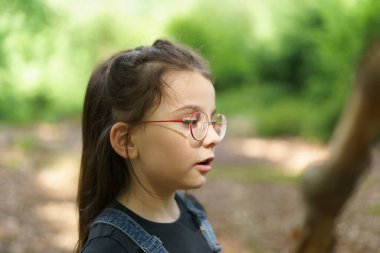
column 281, row 67
column 283, row 71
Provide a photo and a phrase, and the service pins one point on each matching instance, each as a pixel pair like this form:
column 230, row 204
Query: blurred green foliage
column 298, row 80
column 19, row 21
column 223, row 34
column 281, row 68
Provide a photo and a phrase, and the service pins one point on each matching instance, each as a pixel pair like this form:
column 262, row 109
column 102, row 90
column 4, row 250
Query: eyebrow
column 193, row 108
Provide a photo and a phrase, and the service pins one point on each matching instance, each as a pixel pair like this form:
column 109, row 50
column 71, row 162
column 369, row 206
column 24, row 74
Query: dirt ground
column 38, row 176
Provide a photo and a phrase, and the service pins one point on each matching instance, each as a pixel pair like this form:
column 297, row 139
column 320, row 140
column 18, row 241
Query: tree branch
column 326, row 188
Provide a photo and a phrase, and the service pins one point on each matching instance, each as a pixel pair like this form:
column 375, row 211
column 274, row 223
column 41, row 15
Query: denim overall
column 147, row 242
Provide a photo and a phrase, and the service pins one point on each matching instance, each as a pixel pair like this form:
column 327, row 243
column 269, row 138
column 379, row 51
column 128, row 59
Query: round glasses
column 198, row 124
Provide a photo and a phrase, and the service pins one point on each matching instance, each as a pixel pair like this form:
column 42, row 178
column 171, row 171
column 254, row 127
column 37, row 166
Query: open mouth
column 206, row 162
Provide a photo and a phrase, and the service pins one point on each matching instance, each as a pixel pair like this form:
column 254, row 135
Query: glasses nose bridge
column 211, row 135
column 210, row 123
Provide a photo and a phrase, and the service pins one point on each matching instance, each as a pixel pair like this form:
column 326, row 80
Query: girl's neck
column 162, row 209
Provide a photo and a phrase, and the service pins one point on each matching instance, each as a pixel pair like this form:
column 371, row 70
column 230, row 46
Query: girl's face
column 169, row 158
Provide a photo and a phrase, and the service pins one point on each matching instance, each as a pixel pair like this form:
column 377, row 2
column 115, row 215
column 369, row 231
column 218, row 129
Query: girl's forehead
column 188, row 88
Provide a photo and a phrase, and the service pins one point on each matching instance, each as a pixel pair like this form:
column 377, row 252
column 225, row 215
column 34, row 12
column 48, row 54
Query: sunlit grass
column 251, row 174
column 25, row 143
column 374, row 209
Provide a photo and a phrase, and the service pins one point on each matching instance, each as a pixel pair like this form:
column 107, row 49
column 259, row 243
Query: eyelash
column 186, row 121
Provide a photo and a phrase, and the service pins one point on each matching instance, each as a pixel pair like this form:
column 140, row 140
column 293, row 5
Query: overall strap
column 204, row 225
column 120, row 220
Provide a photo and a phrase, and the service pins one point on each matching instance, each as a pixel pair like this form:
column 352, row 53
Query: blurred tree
column 326, row 188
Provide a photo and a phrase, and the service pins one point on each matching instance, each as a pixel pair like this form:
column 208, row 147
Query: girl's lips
column 205, row 165
column 203, row 168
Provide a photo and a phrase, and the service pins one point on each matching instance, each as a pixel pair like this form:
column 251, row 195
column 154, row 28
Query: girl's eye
column 186, row 121
column 194, row 122
column 189, row 120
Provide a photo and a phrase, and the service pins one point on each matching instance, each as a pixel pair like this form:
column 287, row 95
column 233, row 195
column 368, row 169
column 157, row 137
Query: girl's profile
column 149, row 129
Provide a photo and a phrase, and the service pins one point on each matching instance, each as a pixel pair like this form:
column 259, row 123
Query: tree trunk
column 326, row 188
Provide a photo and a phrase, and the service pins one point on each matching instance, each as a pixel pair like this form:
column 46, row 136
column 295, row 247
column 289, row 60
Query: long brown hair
column 121, row 88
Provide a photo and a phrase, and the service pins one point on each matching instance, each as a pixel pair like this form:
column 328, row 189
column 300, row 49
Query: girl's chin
column 197, row 184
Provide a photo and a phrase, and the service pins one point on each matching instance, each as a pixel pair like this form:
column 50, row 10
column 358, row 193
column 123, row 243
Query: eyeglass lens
column 200, row 123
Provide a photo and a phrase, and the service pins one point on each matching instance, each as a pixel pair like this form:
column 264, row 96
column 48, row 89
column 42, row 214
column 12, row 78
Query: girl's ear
column 122, row 142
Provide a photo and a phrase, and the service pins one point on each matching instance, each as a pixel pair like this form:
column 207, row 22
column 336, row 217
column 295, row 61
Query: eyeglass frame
column 182, row 120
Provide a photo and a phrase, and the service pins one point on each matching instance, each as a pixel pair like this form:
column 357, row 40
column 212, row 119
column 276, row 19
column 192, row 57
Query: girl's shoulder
column 106, row 238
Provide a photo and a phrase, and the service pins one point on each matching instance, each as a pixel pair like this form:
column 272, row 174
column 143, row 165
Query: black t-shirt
column 181, row 236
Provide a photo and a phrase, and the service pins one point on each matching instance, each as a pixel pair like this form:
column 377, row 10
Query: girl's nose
column 212, row 138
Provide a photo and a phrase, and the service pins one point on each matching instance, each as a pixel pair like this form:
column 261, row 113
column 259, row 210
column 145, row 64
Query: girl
column 146, row 135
